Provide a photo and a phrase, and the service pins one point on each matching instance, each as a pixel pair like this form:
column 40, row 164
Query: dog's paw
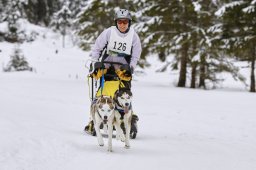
column 127, row 146
column 110, row 150
column 101, row 142
column 120, row 137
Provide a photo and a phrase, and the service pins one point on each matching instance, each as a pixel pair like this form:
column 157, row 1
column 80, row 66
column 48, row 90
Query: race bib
column 120, row 46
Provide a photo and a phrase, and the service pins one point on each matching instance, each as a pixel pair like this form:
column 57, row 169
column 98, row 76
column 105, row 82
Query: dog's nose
column 105, row 117
column 126, row 104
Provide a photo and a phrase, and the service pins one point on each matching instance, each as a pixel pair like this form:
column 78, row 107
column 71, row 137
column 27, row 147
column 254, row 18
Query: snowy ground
column 42, row 116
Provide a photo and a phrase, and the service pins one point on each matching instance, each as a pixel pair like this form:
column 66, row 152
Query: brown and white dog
column 123, row 111
column 102, row 111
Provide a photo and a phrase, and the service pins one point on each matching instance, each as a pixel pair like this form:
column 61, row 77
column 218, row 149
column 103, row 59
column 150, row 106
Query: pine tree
column 3, row 4
column 202, row 51
column 12, row 16
column 62, row 21
column 239, row 34
column 18, row 62
column 76, row 7
column 157, row 26
column 190, row 30
column 40, row 11
column 98, row 15
column 166, row 29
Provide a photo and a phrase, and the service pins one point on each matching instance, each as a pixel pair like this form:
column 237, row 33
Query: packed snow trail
column 42, row 121
column 43, row 114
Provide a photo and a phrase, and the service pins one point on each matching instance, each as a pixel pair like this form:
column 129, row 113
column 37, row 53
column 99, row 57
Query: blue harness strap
column 102, row 81
column 121, row 111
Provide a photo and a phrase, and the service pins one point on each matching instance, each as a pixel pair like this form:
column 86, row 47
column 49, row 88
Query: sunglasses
column 122, row 21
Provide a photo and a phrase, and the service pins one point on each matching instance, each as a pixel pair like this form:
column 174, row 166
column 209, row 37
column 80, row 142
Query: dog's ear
column 112, row 106
column 120, row 93
column 129, row 92
column 101, row 99
column 109, row 100
column 116, row 94
column 112, row 99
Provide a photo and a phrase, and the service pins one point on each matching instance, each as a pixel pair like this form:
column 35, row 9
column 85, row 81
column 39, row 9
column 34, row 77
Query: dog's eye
column 109, row 110
column 102, row 110
column 122, row 97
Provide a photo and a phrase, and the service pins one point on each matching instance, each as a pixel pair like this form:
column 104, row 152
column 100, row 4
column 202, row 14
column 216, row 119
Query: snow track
column 42, row 121
column 43, row 114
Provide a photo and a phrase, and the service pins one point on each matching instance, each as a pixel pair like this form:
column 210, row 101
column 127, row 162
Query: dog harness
column 120, row 109
column 99, row 114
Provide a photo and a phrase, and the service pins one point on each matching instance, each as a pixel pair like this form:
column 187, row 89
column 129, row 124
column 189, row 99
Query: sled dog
column 123, row 111
column 102, row 112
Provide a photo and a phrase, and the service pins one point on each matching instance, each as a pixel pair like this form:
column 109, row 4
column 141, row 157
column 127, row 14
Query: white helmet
column 123, row 14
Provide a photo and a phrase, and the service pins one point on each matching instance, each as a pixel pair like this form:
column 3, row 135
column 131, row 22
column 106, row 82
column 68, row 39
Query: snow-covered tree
column 190, row 31
column 166, row 28
column 76, row 7
column 40, row 12
column 202, row 51
column 62, row 20
column 13, row 14
column 239, row 32
column 156, row 26
column 3, row 4
column 96, row 16
column 18, row 61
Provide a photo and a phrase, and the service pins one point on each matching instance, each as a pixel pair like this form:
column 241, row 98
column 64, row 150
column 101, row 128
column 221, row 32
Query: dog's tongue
column 126, row 109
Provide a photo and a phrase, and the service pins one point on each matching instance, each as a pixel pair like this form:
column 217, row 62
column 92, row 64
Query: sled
column 107, row 85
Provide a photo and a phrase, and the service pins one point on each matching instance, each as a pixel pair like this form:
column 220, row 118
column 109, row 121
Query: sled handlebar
column 112, row 62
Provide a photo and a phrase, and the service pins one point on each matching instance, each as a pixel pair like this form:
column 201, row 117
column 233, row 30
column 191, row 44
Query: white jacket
column 103, row 40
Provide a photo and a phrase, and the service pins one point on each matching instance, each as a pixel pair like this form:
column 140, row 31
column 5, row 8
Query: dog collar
column 120, row 108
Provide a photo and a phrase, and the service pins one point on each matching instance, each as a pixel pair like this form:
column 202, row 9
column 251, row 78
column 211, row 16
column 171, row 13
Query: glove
column 98, row 73
column 95, row 66
column 121, row 74
column 126, row 70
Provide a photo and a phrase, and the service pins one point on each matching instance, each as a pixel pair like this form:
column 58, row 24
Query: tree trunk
column 63, row 35
column 202, row 72
column 252, row 88
column 183, row 65
column 193, row 75
column 63, row 40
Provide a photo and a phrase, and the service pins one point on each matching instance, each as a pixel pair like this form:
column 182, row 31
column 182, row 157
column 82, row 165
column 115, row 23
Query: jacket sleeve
column 100, row 44
column 136, row 50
